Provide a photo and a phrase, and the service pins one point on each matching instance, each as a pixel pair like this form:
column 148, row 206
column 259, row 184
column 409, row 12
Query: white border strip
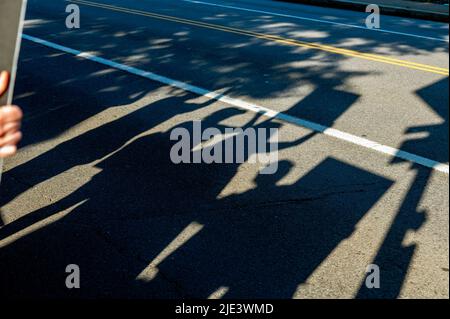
column 444, row 168
column 313, row 20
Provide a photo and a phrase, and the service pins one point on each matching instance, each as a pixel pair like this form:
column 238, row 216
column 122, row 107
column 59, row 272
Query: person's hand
column 10, row 122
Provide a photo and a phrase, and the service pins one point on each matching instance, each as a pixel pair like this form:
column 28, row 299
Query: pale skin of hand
column 10, row 122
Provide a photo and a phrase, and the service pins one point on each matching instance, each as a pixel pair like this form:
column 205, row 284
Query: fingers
column 4, row 82
column 10, row 119
column 9, row 128
column 10, row 140
column 10, row 135
column 8, row 151
column 8, row 144
column 10, row 114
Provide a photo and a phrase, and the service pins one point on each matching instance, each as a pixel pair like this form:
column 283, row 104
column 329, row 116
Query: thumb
column 4, row 82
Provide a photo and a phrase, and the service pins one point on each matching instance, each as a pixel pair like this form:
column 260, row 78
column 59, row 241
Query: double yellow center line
column 273, row 38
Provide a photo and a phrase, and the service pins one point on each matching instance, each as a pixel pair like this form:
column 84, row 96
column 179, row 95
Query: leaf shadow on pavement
column 129, row 213
column 259, row 243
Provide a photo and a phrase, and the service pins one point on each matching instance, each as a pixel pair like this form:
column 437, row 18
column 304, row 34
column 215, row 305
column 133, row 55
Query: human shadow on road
column 92, row 145
column 393, row 257
column 145, row 227
column 76, row 91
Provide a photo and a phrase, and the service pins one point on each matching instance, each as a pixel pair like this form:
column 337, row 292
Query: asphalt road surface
column 363, row 153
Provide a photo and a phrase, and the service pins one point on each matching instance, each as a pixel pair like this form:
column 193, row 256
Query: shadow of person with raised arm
column 136, row 215
column 136, row 183
column 58, row 92
column 266, row 241
column 393, row 257
column 91, row 146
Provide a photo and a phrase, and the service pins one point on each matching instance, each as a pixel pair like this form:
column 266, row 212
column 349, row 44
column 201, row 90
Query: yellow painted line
column 266, row 112
column 274, row 38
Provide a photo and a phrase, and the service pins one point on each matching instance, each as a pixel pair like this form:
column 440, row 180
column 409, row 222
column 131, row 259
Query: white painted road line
column 314, row 20
column 353, row 139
